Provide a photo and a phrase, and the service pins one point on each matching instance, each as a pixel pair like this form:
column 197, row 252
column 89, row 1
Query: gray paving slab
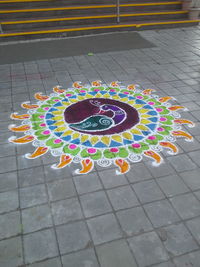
column 139, row 172
column 179, row 240
column 8, row 164
column 115, row 254
column 165, row 264
column 148, row 249
column 11, row 252
column 182, row 163
column 110, row 179
column 85, row 257
column 191, row 178
column 161, row 213
column 104, row 228
column 40, row 245
column 10, row 224
column 122, row 197
column 148, row 191
column 8, row 181
column 89, row 184
column 194, row 226
column 94, row 204
column 191, row 259
column 32, row 195
column 27, row 177
column 66, row 210
column 36, row 218
column 186, row 205
column 72, row 237
column 172, row 185
column 134, row 221
column 54, row 262
column 61, row 189
column 9, row 201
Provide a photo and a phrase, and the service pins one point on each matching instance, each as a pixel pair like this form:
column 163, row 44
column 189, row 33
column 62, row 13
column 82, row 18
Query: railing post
column 118, row 10
column 1, row 30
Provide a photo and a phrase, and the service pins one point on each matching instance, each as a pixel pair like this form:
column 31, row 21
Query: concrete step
column 16, row 4
column 94, row 29
column 31, row 24
column 87, row 10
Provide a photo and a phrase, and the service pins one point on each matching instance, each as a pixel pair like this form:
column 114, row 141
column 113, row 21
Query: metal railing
column 118, row 10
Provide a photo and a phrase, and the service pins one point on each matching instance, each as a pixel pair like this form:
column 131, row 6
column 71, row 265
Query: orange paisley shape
column 182, row 134
column 148, row 91
column 123, row 166
column 22, row 140
column 77, row 85
column 131, row 87
column 64, row 161
column 87, row 166
column 19, row 117
column 174, row 108
column 151, row 154
column 165, row 99
column 173, row 148
column 182, row 121
column 37, row 153
column 114, row 84
column 21, row 128
column 41, row 97
column 96, row 83
column 58, row 90
column 28, row 106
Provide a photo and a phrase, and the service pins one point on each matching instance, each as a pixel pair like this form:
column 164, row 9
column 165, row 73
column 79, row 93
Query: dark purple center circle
column 84, row 109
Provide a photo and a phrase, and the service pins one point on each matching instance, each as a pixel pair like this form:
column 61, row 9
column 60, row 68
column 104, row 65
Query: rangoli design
column 101, row 124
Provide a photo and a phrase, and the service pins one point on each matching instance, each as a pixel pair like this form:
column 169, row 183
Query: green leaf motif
column 94, row 156
column 143, row 147
column 52, row 144
column 72, row 152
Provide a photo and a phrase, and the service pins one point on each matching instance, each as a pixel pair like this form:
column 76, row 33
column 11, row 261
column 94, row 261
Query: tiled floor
column 148, row 217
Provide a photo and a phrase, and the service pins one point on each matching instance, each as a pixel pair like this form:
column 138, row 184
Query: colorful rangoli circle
column 102, row 124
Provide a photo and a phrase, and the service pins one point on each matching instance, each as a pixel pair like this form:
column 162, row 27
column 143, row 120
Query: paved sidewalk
column 148, row 217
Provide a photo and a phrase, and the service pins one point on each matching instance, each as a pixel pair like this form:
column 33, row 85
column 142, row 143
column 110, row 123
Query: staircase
column 29, row 19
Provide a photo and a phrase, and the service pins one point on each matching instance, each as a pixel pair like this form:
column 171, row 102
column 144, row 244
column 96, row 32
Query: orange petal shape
column 165, row 99
column 21, row 128
column 58, row 90
column 96, row 83
column 123, row 166
column 64, row 161
column 169, row 145
column 182, row 121
column 19, row 117
column 22, row 140
column 41, row 97
column 174, row 108
column 87, row 166
column 77, row 85
column 131, row 87
column 37, row 153
column 28, row 106
column 148, row 91
column 158, row 159
column 182, row 134
column 114, row 84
